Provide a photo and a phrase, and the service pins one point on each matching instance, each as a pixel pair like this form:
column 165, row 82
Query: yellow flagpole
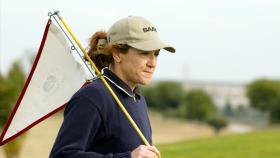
column 105, row 82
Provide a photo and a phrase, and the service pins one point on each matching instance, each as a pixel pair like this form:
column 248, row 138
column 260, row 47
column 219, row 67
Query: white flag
column 54, row 78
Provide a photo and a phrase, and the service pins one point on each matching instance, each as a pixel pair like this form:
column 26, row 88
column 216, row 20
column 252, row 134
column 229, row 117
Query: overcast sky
column 216, row 40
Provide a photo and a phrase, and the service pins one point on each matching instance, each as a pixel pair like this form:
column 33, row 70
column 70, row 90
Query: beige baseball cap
column 138, row 33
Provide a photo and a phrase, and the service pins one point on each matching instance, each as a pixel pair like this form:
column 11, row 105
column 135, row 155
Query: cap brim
column 152, row 45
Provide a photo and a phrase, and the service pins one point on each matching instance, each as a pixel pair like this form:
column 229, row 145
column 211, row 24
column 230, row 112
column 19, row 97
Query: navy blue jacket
column 95, row 127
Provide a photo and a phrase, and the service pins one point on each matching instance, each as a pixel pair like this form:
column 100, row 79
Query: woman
column 94, row 126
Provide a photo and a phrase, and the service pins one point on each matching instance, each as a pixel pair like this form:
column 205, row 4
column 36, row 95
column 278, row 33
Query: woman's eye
column 145, row 53
column 157, row 53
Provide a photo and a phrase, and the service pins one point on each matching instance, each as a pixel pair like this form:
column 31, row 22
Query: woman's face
column 136, row 66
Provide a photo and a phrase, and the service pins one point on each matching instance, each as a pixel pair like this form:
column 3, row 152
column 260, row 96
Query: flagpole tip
column 55, row 12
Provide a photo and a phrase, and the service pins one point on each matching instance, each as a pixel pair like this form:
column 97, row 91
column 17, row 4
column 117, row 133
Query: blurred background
column 217, row 96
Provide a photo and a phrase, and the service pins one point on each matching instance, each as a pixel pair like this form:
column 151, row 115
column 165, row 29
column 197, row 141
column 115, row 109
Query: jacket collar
column 120, row 84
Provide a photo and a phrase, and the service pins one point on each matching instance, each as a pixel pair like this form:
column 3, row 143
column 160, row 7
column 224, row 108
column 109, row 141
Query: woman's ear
column 116, row 56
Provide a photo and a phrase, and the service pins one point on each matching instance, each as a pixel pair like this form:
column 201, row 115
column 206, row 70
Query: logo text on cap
column 147, row 29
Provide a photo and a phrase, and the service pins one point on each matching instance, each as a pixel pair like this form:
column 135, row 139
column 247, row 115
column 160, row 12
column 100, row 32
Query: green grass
column 261, row 144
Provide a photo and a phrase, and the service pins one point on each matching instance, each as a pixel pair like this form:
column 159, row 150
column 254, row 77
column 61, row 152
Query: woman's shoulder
column 91, row 88
column 95, row 94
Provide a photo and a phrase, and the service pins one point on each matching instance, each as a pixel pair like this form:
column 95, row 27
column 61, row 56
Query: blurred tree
column 275, row 110
column 16, row 80
column 199, row 105
column 10, row 88
column 163, row 95
column 217, row 123
column 264, row 95
column 4, row 89
column 150, row 95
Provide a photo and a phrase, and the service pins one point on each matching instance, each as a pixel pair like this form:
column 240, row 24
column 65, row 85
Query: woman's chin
column 145, row 81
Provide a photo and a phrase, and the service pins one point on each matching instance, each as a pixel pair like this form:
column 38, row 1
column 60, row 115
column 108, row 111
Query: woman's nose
column 152, row 60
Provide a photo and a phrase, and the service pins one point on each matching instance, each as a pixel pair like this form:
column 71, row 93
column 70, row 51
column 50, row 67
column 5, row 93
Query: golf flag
column 55, row 76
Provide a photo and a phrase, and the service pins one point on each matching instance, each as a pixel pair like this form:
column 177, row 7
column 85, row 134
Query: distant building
column 222, row 93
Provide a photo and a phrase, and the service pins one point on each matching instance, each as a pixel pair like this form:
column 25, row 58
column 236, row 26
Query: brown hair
column 100, row 51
